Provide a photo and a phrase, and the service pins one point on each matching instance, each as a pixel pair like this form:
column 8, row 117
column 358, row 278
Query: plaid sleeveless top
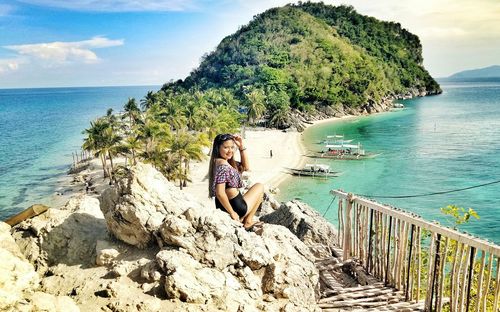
column 225, row 173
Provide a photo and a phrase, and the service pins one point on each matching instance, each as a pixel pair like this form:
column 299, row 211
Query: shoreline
column 288, row 150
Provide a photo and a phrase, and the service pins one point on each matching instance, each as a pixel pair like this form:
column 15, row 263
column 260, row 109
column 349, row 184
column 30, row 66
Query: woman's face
column 226, row 150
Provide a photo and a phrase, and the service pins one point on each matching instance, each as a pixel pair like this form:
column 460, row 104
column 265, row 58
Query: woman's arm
column 243, row 154
column 220, row 192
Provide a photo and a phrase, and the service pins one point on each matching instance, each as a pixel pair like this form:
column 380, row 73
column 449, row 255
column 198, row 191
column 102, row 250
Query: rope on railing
column 430, row 194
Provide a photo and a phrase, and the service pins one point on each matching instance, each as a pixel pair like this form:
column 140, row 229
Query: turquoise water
column 39, row 129
column 436, row 143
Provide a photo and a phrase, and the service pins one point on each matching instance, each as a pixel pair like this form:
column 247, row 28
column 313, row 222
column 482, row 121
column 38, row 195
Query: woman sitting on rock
column 225, row 180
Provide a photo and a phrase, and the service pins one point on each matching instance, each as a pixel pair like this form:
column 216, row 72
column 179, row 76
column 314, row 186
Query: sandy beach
column 288, row 151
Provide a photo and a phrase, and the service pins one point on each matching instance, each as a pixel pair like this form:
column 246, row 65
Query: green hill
column 312, row 56
column 486, row 72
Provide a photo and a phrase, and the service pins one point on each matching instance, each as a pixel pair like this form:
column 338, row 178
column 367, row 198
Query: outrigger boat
column 335, row 139
column 344, row 151
column 314, row 170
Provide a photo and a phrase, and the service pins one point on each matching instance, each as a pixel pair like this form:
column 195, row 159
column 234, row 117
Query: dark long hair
column 218, row 141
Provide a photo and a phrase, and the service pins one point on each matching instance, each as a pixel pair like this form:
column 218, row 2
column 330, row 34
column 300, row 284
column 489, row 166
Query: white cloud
column 57, row 53
column 8, row 65
column 117, row 5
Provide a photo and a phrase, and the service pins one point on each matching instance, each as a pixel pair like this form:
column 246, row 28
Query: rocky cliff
column 146, row 246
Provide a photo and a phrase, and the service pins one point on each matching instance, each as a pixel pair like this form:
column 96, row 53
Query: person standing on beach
column 225, row 178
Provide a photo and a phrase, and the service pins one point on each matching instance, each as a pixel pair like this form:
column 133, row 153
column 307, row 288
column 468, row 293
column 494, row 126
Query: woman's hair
column 218, row 141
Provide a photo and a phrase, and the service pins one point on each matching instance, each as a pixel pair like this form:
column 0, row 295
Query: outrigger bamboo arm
column 31, row 212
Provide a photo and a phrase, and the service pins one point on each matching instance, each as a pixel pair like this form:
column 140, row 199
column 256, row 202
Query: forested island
column 287, row 66
column 311, row 57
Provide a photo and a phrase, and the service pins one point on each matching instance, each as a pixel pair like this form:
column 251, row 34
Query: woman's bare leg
column 253, row 197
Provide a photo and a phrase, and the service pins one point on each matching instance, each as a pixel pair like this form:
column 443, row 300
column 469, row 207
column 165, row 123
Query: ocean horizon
column 40, row 129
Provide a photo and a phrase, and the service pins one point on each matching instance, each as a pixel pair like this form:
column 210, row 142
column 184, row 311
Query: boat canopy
column 317, row 167
column 342, row 146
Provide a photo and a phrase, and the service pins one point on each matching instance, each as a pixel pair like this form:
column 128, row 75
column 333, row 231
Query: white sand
column 288, row 152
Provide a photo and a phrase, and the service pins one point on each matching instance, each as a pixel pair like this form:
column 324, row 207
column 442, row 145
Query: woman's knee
column 259, row 187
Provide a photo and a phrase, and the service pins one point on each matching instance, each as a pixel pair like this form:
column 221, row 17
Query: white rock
column 17, row 275
column 105, row 253
column 47, row 302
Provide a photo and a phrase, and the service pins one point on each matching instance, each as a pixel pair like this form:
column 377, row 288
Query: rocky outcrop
column 63, row 236
column 184, row 256
column 308, row 225
column 206, row 257
column 135, row 207
column 19, row 281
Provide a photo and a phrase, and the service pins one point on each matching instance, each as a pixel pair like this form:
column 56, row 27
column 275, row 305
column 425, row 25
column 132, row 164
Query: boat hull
column 314, row 174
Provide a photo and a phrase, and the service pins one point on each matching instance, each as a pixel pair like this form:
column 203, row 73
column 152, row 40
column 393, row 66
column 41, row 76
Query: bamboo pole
column 387, row 270
column 354, row 252
column 488, row 279
column 456, row 284
column 394, row 264
column 341, row 226
column 464, row 280
column 497, row 287
column 405, row 264
column 401, row 256
column 408, row 274
column 469, row 282
column 28, row 213
column 480, row 281
column 442, row 279
column 419, row 262
column 381, row 245
column 347, row 229
column 435, row 273
column 378, row 237
column 365, row 234
column 356, row 246
column 369, row 264
column 430, row 274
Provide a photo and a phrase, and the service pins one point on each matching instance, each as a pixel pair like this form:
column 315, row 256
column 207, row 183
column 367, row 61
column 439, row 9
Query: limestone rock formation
column 19, row 281
column 308, row 225
column 135, row 207
column 207, row 257
column 63, row 236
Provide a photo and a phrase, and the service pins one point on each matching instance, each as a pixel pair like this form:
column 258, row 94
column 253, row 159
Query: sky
column 62, row 43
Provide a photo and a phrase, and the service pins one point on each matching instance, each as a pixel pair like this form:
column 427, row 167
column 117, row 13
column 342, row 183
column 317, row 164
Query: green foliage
column 319, row 55
column 458, row 215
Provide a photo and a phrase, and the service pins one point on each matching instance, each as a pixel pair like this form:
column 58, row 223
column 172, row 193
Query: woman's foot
column 253, row 226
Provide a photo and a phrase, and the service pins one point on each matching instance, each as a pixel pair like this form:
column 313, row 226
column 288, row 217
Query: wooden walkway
column 336, row 295
column 392, row 260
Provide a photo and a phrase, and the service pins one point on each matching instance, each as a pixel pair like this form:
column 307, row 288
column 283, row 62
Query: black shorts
column 238, row 204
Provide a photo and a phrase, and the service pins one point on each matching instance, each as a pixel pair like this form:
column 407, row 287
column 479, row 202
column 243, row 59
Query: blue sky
column 48, row 43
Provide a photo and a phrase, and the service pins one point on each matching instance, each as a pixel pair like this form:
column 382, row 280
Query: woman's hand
column 235, row 216
column 238, row 140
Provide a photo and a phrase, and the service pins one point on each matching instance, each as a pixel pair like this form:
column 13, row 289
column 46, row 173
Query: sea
column 40, row 129
column 435, row 144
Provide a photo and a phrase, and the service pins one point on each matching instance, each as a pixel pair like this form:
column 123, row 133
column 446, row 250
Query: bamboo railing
column 428, row 262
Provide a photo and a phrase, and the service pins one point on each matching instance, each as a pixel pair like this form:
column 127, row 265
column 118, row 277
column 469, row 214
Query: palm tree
column 132, row 111
column 256, row 104
column 187, row 147
column 95, row 141
column 131, row 145
column 280, row 117
column 148, row 100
